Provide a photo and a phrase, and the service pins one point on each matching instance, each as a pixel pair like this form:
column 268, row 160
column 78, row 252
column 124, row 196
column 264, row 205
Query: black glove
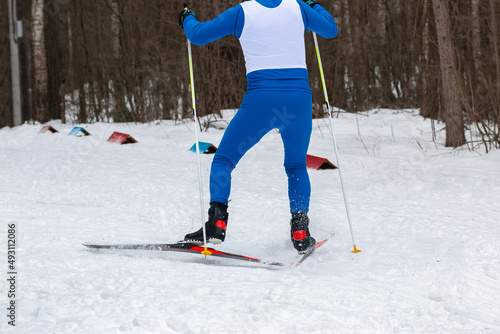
column 182, row 15
column 311, row 3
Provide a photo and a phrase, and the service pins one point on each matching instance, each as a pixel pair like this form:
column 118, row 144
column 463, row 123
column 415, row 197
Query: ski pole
column 205, row 252
column 355, row 250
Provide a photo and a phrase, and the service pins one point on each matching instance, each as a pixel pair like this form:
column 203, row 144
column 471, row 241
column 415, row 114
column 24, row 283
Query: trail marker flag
column 121, row 138
column 315, row 162
column 48, row 128
column 79, row 132
column 207, row 148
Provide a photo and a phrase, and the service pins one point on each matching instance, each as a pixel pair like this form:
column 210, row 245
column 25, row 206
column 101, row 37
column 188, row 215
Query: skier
column 271, row 34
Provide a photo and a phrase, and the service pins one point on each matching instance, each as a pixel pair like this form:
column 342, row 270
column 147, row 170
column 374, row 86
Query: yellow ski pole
column 355, row 250
column 205, row 252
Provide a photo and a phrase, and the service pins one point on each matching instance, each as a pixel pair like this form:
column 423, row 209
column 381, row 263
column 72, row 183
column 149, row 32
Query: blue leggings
column 260, row 112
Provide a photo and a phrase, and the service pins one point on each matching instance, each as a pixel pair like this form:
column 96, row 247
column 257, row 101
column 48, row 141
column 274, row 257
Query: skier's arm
column 200, row 33
column 318, row 20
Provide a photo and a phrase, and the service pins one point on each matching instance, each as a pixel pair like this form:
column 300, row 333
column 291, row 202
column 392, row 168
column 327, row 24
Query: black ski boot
column 299, row 231
column 215, row 226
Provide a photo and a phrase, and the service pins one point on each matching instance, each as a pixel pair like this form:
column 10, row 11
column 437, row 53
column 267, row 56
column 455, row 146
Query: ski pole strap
column 183, row 14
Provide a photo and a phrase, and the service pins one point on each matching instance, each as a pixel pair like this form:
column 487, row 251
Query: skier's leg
column 296, row 136
column 246, row 129
column 248, row 126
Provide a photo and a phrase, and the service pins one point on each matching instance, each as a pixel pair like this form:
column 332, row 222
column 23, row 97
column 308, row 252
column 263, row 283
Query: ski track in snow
column 424, row 216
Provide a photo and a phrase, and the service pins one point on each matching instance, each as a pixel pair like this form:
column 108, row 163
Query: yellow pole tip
column 206, row 252
column 355, row 250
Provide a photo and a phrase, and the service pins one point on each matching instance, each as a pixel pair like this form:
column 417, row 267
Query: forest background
column 126, row 61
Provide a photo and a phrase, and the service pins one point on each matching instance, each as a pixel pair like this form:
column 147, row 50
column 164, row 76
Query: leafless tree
column 40, row 72
column 126, row 61
column 453, row 115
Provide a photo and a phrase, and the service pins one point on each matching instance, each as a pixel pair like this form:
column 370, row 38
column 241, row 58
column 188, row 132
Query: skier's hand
column 311, row 3
column 182, row 15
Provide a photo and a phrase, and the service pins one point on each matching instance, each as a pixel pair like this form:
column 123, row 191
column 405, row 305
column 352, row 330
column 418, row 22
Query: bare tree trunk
column 120, row 113
column 496, row 52
column 68, row 73
column 476, row 34
column 455, row 135
column 53, row 63
column 388, row 97
column 26, row 68
column 115, row 29
column 40, row 74
column 428, row 108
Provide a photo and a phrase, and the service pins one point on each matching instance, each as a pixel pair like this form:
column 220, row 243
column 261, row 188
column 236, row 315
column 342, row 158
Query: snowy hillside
column 426, row 219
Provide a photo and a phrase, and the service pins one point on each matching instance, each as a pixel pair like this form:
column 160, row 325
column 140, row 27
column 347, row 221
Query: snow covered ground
column 426, row 218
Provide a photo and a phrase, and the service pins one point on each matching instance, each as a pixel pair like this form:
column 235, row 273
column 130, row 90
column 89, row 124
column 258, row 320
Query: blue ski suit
column 276, row 97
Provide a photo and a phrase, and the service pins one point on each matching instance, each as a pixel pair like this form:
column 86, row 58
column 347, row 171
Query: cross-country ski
column 184, row 247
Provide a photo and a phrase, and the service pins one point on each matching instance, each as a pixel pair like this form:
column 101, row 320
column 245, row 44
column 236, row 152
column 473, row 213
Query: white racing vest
column 273, row 38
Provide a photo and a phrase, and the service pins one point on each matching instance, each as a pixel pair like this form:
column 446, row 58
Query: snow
column 424, row 216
